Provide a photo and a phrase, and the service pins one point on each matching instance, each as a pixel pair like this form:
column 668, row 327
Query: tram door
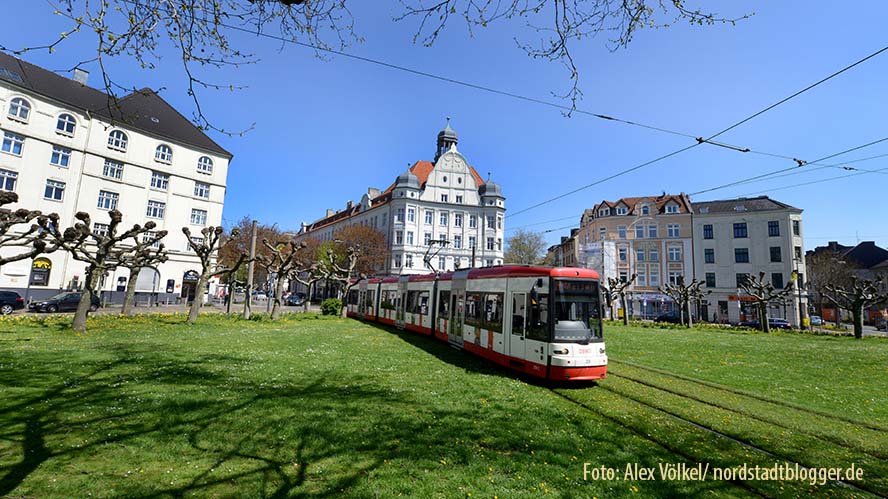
column 400, row 303
column 519, row 321
column 458, row 309
column 362, row 303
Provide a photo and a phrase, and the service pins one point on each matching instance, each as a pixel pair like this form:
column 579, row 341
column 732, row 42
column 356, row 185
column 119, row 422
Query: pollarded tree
column 205, row 33
column 372, row 253
column 860, row 294
column 287, row 261
column 342, row 270
column 765, row 294
column 20, row 229
column 617, row 289
column 148, row 252
column 102, row 251
column 525, row 247
column 206, row 248
column 684, row 296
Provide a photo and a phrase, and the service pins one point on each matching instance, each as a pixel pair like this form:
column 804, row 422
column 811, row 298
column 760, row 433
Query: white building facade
column 738, row 238
column 445, row 201
column 68, row 148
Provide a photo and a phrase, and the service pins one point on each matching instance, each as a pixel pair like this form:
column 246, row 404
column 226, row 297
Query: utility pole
column 250, row 266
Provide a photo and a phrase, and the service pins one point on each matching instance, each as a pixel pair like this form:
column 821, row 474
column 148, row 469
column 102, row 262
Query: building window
column 796, row 228
column 710, row 279
column 101, row 230
column 198, row 217
column 163, row 154
column 442, row 219
column 623, row 253
column 151, row 237
column 798, row 253
column 639, row 254
column 410, row 237
column 442, row 238
column 54, row 190
column 117, row 140
column 671, row 208
column 443, row 198
column 197, row 240
column 604, row 212
column 775, row 254
column 66, row 125
column 457, row 242
column 654, row 276
column 621, row 210
column 645, row 210
column 442, row 263
column 653, row 255
column 673, row 230
column 408, row 260
column 19, row 109
column 156, row 209
column 773, row 228
column 639, row 232
column 457, row 219
column 742, row 278
column 777, row 280
column 499, row 223
column 399, row 215
column 7, row 180
column 624, row 276
column 112, row 169
column 709, row 255
column 396, row 261
column 674, row 253
column 160, row 181
column 205, row 165
column 60, row 156
column 108, row 200
column 428, row 217
column 674, row 277
column 602, row 233
column 399, row 237
column 707, row 231
column 202, row 190
column 489, row 262
column 473, row 242
column 473, row 221
column 741, row 255
column 13, row 143
column 740, row 230
column 621, row 232
column 652, row 231
column 411, row 214
column 459, row 199
column 641, row 276
column 427, row 239
column 490, row 243
column 491, row 222
column 499, row 244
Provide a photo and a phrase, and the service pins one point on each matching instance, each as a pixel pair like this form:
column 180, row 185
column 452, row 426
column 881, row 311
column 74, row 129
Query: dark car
column 672, row 317
column 296, row 299
column 63, row 302
column 772, row 324
column 9, row 301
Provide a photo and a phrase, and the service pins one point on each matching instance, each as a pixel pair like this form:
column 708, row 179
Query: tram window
column 538, row 320
column 473, row 315
column 422, row 303
column 353, row 297
column 388, row 300
column 369, row 300
column 412, row 302
column 493, row 312
column 444, row 304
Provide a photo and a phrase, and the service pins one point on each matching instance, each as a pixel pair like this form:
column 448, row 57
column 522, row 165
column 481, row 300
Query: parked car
column 63, row 302
column 9, row 301
column 816, row 320
column 772, row 323
column 881, row 325
column 296, row 299
column 671, row 317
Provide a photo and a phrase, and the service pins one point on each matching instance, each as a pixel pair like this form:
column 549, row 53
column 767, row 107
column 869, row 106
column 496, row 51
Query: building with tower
column 442, row 209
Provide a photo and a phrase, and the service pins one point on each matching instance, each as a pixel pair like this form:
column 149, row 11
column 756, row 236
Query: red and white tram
column 542, row 321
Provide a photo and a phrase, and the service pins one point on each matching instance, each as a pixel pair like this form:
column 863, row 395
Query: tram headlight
column 562, row 351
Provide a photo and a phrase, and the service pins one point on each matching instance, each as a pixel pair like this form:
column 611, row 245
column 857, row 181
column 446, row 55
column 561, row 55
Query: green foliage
column 331, row 306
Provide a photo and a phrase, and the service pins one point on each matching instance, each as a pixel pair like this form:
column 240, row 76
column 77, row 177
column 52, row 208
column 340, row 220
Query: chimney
column 329, row 212
column 81, row 76
column 349, row 205
column 372, row 192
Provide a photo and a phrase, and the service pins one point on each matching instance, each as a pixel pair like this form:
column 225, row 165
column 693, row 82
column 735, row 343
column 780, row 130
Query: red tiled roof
column 658, row 201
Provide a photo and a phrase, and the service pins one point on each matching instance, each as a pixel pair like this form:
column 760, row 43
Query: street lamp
column 796, row 262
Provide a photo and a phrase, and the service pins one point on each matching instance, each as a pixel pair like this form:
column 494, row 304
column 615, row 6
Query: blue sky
column 328, row 129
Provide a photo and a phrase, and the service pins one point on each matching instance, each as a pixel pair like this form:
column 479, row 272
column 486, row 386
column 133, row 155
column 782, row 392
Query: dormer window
column 19, row 109
column 604, row 212
column 66, row 124
column 671, row 208
column 621, row 210
column 117, row 140
column 645, row 210
column 163, row 154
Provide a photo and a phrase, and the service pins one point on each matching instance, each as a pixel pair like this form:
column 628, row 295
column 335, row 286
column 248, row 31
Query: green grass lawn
column 306, row 407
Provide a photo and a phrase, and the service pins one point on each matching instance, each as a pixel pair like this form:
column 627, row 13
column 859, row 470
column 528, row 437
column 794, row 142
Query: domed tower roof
column 407, row 180
column 491, row 189
column 446, row 138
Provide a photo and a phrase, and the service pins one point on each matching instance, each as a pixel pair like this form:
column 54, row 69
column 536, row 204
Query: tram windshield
column 577, row 311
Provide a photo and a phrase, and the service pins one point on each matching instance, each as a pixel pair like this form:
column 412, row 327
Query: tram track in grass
column 752, row 395
column 831, row 432
column 730, row 451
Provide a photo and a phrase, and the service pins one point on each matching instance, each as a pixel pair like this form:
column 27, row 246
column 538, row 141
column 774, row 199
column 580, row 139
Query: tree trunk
column 343, row 310
column 625, row 309
column 858, row 320
column 276, row 306
column 198, row 298
column 764, row 323
column 307, row 297
column 690, row 315
column 92, row 278
column 129, row 297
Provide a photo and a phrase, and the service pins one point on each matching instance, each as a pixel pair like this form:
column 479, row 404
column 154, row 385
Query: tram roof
column 500, row 271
